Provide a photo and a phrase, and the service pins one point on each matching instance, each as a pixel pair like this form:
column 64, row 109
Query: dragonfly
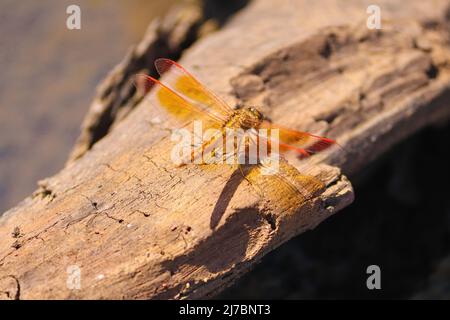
column 185, row 98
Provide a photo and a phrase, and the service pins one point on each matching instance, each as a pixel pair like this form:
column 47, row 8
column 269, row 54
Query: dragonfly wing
column 174, row 104
column 275, row 171
column 302, row 143
column 287, row 183
column 181, row 81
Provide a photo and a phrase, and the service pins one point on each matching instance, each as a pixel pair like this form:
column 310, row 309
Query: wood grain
column 137, row 227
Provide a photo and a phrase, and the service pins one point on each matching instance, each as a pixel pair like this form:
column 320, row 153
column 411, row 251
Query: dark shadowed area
column 407, row 235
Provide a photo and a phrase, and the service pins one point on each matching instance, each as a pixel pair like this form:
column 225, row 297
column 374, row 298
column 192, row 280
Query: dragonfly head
column 252, row 118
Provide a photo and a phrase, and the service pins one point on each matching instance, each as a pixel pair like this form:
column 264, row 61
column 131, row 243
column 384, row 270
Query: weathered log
column 137, row 227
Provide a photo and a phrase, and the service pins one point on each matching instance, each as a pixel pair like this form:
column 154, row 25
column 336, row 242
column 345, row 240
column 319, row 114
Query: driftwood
column 136, row 227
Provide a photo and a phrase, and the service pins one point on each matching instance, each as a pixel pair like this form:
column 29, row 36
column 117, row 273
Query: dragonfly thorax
column 246, row 118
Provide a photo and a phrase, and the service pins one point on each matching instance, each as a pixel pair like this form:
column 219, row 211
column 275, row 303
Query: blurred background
column 48, row 79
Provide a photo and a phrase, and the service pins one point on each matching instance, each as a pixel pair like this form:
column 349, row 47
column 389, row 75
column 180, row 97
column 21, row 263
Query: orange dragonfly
column 187, row 99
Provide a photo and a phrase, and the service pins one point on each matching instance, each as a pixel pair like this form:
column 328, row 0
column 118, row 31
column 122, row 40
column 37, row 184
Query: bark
column 136, row 227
